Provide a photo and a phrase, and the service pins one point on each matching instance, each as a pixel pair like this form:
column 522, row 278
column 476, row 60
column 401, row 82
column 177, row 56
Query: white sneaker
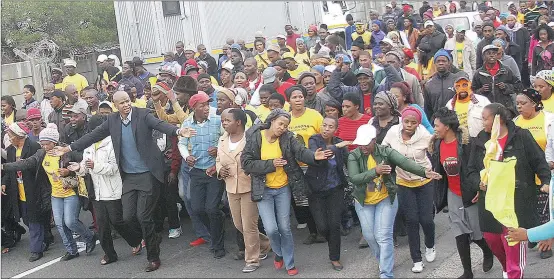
column 302, row 226
column 175, row 233
column 430, row 254
column 418, row 267
column 504, row 274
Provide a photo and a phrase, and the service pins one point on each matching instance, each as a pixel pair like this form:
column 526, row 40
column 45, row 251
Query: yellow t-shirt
column 460, row 55
column 462, row 109
column 366, row 36
column 78, row 80
column 270, row 151
column 375, row 197
column 296, row 73
column 306, row 126
column 20, row 177
column 302, row 58
column 262, row 60
column 51, row 165
column 139, row 103
column 537, row 129
column 59, row 86
column 261, row 111
column 549, row 104
column 10, row 119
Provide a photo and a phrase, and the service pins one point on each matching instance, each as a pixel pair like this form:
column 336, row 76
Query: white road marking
column 45, row 265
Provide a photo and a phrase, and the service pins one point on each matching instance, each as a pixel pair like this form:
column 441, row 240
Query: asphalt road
column 181, row 260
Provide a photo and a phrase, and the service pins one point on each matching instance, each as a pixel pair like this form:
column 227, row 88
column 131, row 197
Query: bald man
column 141, row 166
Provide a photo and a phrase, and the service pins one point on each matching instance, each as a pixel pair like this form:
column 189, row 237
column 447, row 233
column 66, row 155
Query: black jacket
column 439, row 90
column 56, row 117
column 530, row 161
column 316, row 176
column 292, row 150
column 479, row 51
column 441, row 186
column 70, row 134
column 497, row 95
column 35, row 182
column 142, row 122
column 430, row 44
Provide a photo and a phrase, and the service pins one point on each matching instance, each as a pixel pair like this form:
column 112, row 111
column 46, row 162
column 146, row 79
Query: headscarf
column 313, row 28
column 429, row 13
column 412, row 111
column 274, row 114
column 319, row 68
column 389, row 99
column 20, row 129
column 546, row 75
column 534, row 96
column 378, row 22
column 241, row 96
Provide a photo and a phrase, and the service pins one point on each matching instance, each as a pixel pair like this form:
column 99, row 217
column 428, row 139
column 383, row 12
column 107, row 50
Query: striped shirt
column 207, row 135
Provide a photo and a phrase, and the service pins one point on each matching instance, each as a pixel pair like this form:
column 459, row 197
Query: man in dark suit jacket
column 141, row 165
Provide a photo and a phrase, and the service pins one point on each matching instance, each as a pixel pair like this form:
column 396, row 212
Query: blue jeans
column 274, row 210
column 200, row 230
column 66, row 215
column 377, row 222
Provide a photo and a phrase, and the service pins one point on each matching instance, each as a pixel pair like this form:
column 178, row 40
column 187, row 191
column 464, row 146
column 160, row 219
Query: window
column 171, row 8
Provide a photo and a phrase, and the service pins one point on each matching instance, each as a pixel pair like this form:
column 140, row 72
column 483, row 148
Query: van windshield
column 454, row 21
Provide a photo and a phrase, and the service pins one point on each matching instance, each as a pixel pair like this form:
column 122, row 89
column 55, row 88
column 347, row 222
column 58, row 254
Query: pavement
column 181, row 260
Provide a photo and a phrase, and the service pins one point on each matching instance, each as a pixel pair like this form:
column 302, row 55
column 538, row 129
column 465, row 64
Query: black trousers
column 304, row 216
column 205, row 198
column 108, row 214
column 139, row 200
column 167, row 206
column 327, row 208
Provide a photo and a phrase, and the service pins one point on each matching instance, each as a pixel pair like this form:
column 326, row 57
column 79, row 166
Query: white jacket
column 469, row 56
column 474, row 114
column 105, row 174
column 414, row 149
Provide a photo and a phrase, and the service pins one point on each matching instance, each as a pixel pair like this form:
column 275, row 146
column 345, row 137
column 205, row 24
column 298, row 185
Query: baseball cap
column 281, row 36
column 364, row 71
column 288, row 55
column 229, row 67
column 543, row 6
column 102, row 58
column 510, row 4
column 78, row 108
column 387, row 41
column 70, row 62
column 429, row 23
column 269, row 74
column 460, row 28
column 365, row 134
column 200, row 97
column 59, row 94
column 275, row 48
column 345, row 58
column 258, row 34
column 330, row 68
column 105, row 104
column 33, row 113
column 488, row 47
column 388, row 6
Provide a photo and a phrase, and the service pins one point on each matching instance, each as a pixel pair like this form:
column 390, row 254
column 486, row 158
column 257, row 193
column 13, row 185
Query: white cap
column 387, row 40
column 551, row 24
column 259, row 34
column 330, row 68
column 429, row 23
column 281, row 36
column 388, row 6
column 510, row 3
column 113, row 57
column 365, row 134
column 70, row 62
column 102, row 58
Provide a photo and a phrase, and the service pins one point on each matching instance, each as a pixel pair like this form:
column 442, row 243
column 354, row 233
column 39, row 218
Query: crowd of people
column 399, row 120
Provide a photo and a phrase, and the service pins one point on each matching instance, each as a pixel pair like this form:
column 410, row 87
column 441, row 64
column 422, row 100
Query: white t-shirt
column 233, row 145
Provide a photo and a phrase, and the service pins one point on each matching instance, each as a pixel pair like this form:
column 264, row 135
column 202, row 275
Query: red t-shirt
column 367, row 104
column 348, row 128
column 281, row 89
column 449, row 161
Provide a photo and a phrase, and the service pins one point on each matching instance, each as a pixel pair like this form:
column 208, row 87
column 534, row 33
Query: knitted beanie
column 50, row 133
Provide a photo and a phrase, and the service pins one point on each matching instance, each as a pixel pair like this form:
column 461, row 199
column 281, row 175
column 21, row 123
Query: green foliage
column 72, row 25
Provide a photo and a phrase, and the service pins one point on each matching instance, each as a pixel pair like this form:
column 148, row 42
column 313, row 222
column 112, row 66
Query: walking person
column 370, row 168
column 270, row 157
column 64, row 184
column 138, row 158
column 449, row 154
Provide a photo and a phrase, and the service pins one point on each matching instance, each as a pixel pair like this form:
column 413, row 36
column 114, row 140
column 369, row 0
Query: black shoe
column 68, row 256
column 345, row 231
column 320, row 239
column 153, row 266
column 466, row 275
column 35, row 256
column 239, row 256
column 488, row 261
column 338, row 267
column 115, row 235
column 445, row 210
column 45, row 246
column 19, row 231
column 532, row 245
column 218, row 254
column 92, row 244
column 546, row 254
column 311, row 239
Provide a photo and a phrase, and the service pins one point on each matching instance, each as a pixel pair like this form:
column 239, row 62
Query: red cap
column 33, row 113
column 408, row 52
column 200, row 97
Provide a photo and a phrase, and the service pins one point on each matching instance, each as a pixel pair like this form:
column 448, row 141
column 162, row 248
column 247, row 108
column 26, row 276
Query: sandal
column 105, row 260
column 136, row 250
column 5, row 250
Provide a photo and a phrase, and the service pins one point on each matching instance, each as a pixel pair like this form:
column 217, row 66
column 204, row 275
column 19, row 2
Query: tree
column 72, row 25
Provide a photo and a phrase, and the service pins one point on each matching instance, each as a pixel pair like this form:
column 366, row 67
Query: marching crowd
column 397, row 121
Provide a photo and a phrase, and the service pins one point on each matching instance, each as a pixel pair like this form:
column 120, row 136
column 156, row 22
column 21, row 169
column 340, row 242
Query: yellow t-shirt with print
column 537, row 129
column 460, row 55
column 300, row 69
column 302, row 58
column 366, row 36
column 20, row 177
column 376, row 196
column 270, row 151
column 51, row 165
column 78, row 80
column 549, row 104
column 263, row 61
column 462, row 110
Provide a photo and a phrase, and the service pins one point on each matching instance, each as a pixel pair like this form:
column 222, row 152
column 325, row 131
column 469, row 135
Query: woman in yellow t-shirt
column 8, row 110
column 270, row 157
column 65, row 201
column 534, row 118
column 370, row 170
column 304, row 123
